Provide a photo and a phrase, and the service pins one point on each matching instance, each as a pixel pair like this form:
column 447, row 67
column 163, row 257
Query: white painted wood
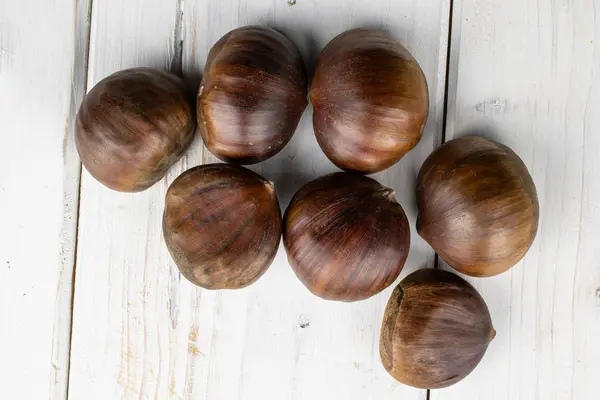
column 251, row 343
column 63, row 310
column 528, row 74
column 126, row 333
column 39, row 182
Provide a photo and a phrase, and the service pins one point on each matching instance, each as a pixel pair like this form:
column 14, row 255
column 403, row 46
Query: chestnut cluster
column 346, row 236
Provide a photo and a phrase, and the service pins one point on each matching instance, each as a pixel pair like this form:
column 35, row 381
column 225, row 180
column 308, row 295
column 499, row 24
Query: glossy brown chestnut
column 436, row 328
column 346, row 237
column 478, row 206
column 370, row 101
column 222, row 225
column 132, row 126
column 252, row 95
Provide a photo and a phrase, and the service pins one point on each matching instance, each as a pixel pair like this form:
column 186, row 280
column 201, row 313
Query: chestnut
column 133, row 126
column 478, row 206
column 252, row 95
column 345, row 236
column 370, row 101
column 222, row 225
column 436, row 329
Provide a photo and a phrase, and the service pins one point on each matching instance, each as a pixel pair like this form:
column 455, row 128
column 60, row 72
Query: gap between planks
column 63, row 310
column 442, row 137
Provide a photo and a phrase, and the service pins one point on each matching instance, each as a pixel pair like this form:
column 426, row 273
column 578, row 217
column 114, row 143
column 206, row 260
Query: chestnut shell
column 478, row 206
column 252, row 95
column 222, row 225
column 370, row 101
column 436, row 329
column 346, row 237
column 133, row 126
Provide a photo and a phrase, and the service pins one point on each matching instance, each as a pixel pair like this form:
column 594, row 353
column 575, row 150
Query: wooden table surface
column 92, row 306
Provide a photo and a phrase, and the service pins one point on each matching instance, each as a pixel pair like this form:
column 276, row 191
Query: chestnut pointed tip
column 422, row 229
column 270, row 185
column 389, row 194
column 491, row 335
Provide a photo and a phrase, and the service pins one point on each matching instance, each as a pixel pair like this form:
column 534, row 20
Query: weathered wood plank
column 528, row 74
column 39, row 185
column 124, row 319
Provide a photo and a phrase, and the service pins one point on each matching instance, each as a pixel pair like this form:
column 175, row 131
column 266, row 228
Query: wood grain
column 39, row 182
column 274, row 340
column 125, row 326
column 527, row 74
